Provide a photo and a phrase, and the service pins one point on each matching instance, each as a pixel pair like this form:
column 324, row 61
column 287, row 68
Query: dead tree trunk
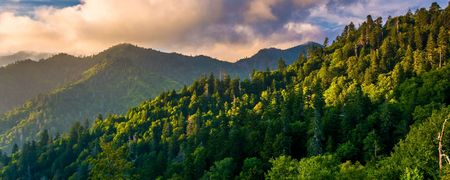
column 441, row 154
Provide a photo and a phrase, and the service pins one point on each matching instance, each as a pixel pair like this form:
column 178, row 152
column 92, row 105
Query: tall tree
column 431, row 50
column 111, row 163
column 442, row 45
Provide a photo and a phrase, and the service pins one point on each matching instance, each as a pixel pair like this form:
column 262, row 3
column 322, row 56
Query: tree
column 431, row 49
column 352, row 171
column 371, row 147
column 441, row 153
column 44, row 138
column 222, row 169
column 411, row 174
column 315, row 142
column 306, row 119
column 325, row 42
column 408, row 61
column 442, row 45
column 418, row 150
column 27, row 162
column 281, row 64
column 418, row 40
column 316, row 167
column 111, row 163
column 420, row 64
column 195, row 164
column 283, row 167
column 15, row 148
column 346, row 151
column 252, row 169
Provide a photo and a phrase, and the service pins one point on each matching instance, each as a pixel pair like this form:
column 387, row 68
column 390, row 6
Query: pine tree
column 418, row 41
column 325, row 42
column 110, row 163
column 442, row 45
column 315, row 142
column 431, row 49
column 44, row 139
column 281, row 64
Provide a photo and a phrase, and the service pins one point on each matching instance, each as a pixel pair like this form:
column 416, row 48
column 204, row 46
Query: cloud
column 226, row 29
column 260, row 10
column 97, row 24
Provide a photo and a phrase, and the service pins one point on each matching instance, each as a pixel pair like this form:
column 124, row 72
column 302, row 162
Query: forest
column 56, row 92
column 370, row 105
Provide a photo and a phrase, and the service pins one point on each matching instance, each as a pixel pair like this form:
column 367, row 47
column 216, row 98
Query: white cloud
column 220, row 28
column 302, row 28
column 98, row 24
column 190, row 27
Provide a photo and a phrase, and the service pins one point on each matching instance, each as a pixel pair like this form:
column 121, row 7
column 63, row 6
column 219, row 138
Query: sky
column 224, row 29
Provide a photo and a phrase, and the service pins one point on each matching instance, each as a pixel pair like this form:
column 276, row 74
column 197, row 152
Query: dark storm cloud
column 235, row 13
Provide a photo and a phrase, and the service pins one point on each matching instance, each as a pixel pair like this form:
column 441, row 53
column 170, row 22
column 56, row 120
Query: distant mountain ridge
column 64, row 89
column 26, row 79
column 267, row 58
column 22, row 55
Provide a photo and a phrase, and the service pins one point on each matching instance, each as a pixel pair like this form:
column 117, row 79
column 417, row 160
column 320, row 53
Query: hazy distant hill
column 22, row 55
column 26, row 79
column 68, row 89
column 267, row 58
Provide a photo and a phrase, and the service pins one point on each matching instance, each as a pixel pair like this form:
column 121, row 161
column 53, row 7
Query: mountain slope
column 114, row 80
column 344, row 112
column 26, row 79
column 268, row 58
column 105, row 90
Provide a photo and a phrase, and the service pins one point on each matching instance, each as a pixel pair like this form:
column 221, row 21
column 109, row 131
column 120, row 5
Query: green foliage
column 60, row 90
column 252, row 169
column 351, row 110
column 110, row 163
column 283, row 167
column 417, row 154
column 351, row 171
column 27, row 79
column 222, row 170
column 411, row 174
column 316, row 167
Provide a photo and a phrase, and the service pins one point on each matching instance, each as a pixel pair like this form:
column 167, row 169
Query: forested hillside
column 26, row 79
column 368, row 106
column 109, row 82
column 267, row 58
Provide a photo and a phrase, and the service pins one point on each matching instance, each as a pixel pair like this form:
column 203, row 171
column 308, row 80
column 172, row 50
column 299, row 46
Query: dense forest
column 367, row 106
column 66, row 89
column 26, row 79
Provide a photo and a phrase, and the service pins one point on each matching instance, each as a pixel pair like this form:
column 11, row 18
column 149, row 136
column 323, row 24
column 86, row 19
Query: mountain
column 109, row 82
column 22, row 55
column 267, row 58
column 372, row 105
column 26, row 79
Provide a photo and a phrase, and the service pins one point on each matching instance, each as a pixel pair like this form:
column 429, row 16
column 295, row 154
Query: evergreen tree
column 318, row 118
column 431, row 51
column 281, row 64
column 442, row 45
column 111, row 163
